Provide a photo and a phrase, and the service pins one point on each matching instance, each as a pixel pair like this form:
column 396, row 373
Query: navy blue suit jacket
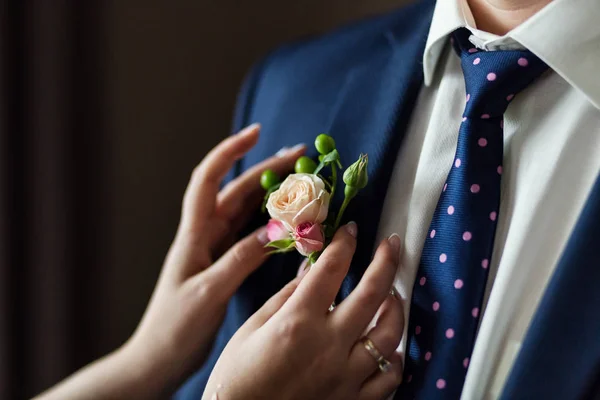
column 360, row 84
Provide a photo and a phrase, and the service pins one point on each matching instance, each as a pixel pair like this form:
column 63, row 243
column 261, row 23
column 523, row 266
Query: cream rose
column 300, row 198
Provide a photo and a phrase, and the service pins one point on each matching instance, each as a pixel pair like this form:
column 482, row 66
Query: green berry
column 305, row 165
column 268, row 179
column 324, row 143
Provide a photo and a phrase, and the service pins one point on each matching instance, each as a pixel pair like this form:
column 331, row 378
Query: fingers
column 234, row 266
column 358, row 309
column 382, row 384
column 272, row 305
column 385, row 336
column 244, row 190
column 321, row 284
column 200, row 197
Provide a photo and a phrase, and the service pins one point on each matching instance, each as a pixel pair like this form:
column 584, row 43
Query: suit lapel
column 374, row 109
column 560, row 356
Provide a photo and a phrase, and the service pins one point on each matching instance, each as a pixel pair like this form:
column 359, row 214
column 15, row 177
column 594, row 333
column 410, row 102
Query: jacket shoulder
column 352, row 41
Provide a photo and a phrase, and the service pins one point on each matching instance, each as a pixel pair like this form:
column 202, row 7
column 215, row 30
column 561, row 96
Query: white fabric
column 551, row 160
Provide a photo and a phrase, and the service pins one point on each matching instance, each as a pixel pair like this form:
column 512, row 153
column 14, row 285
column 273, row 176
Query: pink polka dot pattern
column 456, row 255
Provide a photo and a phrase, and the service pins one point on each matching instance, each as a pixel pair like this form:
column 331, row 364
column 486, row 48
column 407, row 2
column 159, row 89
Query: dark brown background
column 106, row 107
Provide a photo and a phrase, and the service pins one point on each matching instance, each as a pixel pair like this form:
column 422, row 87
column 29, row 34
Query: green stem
column 333, row 179
column 341, row 213
column 327, row 183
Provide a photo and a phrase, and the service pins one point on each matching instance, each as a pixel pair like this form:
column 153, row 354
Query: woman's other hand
column 197, row 281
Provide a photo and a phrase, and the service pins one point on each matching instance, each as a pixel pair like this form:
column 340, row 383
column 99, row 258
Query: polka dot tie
column 452, row 274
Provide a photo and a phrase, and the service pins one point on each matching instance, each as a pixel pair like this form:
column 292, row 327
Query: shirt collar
column 565, row 35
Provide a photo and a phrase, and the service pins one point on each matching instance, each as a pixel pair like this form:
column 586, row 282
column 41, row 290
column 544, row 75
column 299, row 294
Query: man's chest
column 551, row 161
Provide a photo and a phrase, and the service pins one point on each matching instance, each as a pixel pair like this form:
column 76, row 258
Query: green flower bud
column 350, row 192
column 268, row 179
column 356, row 175
column 305, row 165
column 324, row 143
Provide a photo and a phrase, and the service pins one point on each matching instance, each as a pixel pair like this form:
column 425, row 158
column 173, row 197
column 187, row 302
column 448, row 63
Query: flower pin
column 300, row 206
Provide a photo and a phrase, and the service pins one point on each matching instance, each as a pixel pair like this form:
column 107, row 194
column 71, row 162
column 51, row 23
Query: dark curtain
column 52, row 188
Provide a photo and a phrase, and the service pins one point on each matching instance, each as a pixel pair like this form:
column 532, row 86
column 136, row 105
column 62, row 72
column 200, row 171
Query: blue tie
column 453, row 270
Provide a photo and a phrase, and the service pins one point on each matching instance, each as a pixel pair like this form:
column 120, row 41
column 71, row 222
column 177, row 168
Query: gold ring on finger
column 383, row 364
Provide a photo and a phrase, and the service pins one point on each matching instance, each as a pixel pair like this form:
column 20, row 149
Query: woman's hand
column 196, row 282
column 191, row 297
column 293, row 348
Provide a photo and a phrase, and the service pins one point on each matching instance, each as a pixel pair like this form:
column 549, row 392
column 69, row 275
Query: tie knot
column 493, row 78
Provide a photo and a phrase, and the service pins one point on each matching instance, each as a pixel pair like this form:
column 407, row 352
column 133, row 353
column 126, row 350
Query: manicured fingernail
column 394, row 294
column 284, row 151
column 249, row 129
column 351, row 228
column 262, row 236
column 395, row 242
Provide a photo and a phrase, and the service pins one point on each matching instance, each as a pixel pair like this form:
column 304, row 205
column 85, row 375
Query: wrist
column 145, row 374
column 120, row 374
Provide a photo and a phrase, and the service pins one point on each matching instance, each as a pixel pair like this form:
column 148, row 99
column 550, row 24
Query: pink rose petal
column 276, row 230
column 309, row 238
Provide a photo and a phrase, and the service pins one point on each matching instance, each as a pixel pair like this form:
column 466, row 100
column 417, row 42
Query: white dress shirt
column 551, row 161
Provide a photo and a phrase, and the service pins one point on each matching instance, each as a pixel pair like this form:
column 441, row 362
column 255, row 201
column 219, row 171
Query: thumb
column 229, row 271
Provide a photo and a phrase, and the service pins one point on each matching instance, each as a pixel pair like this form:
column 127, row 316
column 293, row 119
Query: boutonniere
column 301, row 216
